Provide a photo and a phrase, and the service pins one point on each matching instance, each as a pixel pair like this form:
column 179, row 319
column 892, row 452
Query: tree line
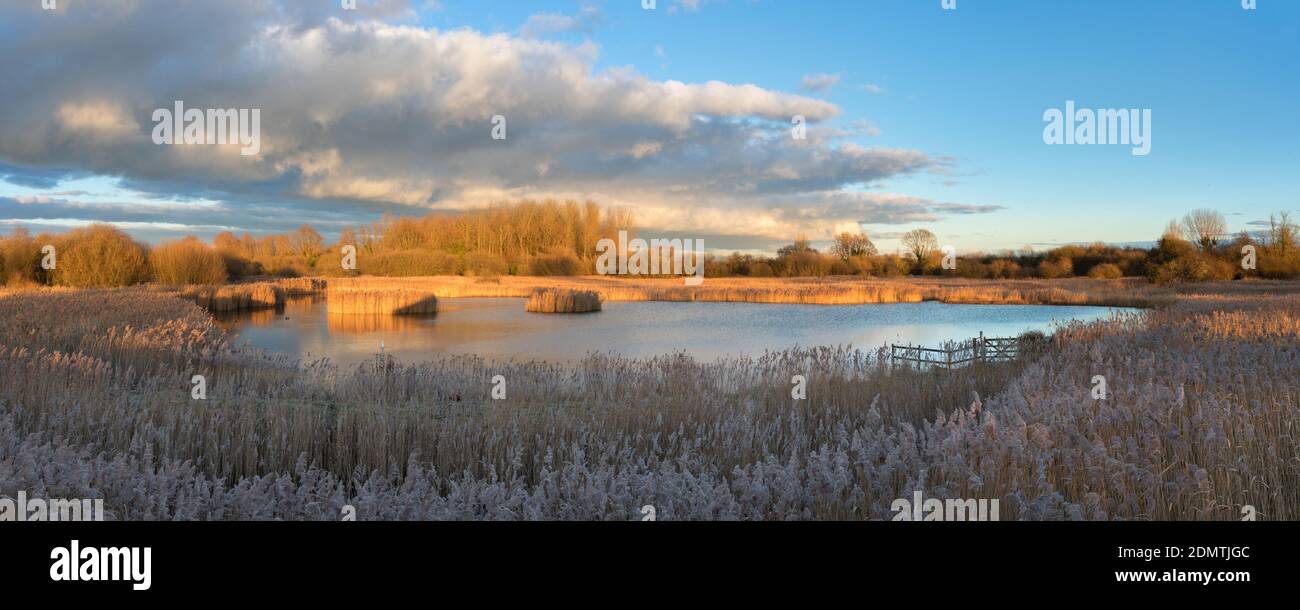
column 524, row 238
column 1197, row 247
column 559, row 238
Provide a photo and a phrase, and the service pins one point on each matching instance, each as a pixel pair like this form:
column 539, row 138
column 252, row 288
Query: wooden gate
column 979, row 349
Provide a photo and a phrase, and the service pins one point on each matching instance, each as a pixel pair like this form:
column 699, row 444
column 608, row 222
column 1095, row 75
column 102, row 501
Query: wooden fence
column 959, row 353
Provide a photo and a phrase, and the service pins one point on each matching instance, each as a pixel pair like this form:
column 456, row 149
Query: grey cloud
column 258, row 217
column 361, row 116
column 819, row 82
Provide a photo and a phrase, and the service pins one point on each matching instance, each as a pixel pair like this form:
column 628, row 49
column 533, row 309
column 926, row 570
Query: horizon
column 663, row 112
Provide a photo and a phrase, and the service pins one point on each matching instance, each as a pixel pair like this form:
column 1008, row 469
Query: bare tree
column 852, row 244
column 1204, row 227
column 226, row 240
column 921, row 243
column 1173, row 231
column 1282, row 233
column 800, row 246
column 308, row 244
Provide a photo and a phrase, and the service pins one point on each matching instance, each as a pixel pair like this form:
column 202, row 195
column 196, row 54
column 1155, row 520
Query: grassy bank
column 1201, row 419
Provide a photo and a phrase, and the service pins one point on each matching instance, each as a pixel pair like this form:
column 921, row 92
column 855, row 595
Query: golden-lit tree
column 1204, row 227
column 99, row 256
column 187, row 261
column 848, row 245
column 921, row 243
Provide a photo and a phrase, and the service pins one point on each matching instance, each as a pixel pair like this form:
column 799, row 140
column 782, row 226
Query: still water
column 501, row 329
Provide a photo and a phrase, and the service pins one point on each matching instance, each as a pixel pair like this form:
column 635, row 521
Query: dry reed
column 235, row 297
column 808, row 291
column 1202, row 418
column 555, row 300
column 376, row 302
column 303, row 286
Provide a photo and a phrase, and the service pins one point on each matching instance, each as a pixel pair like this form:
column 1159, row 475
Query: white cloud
column 360, row 116
column 587, row 19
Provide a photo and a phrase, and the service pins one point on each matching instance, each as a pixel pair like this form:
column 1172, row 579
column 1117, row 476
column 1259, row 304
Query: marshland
column 1200, row 420
column 98, row 359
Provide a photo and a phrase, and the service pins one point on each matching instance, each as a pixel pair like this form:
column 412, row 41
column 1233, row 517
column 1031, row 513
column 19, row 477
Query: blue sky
column 965, row 88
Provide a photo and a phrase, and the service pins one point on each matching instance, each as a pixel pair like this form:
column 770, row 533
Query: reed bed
column 807, row 291
column 556, row 300
column 1202, row 418
column 350, row 301
column 235, row 297
column 303, row 286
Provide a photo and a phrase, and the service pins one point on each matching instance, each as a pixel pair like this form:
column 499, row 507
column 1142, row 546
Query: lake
column 499, row 328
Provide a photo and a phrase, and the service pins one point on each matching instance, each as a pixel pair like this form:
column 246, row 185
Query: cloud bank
column 364, row 112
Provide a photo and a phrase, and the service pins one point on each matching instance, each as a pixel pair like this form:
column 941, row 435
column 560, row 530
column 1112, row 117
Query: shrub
column 284, row 266
column 1159, row 264
column 1056, row 268
column 1105, row 271
column 484, row 265
column 1002, row 268
column 971, row 268
column 861, row 265
column 330, row 264
column 1278, row 267
column 555, row 263
column 100, row 256
column 187, row 261
column 760, row 269
column 408, row 263
column 714, row 267
column 238, row 265
column 807, row 263
column 893, row 266
column 1195, row 267
column 22, row 257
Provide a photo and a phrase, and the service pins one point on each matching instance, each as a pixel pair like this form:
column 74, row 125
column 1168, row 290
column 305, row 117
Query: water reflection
column 292, row 307
column 362, row 324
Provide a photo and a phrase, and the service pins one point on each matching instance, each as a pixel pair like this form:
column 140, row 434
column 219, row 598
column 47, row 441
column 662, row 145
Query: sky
column 915, row 116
